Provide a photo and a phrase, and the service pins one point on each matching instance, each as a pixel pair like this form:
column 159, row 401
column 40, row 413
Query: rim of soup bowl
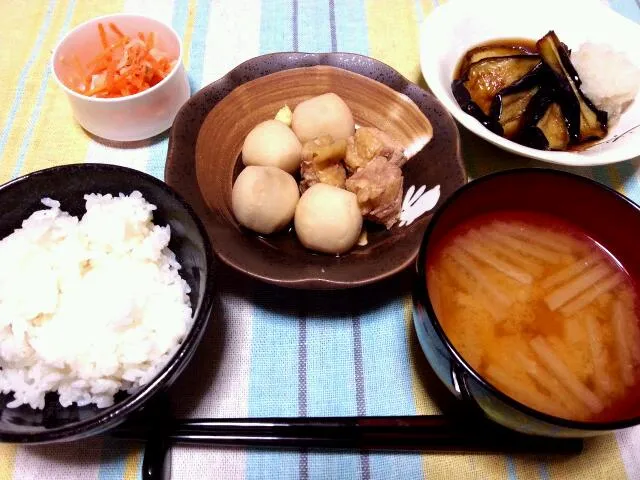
column 423, row 297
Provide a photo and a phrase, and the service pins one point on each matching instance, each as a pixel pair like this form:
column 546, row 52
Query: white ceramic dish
column 459, row 25
column 134, row 117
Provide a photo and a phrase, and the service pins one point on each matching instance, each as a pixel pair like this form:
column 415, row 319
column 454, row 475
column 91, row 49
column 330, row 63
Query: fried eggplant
column 529, row 94
column 462, row 96
column 584, row 120
column 545, row 126
column 484, row 79
column 510, row 110
column 510, row 104
column 488, row 51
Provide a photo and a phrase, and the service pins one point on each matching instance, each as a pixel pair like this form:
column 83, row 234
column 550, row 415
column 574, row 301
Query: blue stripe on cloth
column 157, row 156
column 351, row 26
column 330, row 374
column 24, row 73
column 114, row 468
column 380, row 382
column 630, row 180
column 37, row 108
column 628, row 8
column 198, row 44
column 158, row 146
column 627, row 170
column 275, row 35
column 274, row 387
column 543, row 471
column 179, row 19
column 334, row 380
column 388, row 386
column 417, row 5
column 113, row 460
column 601, row 175
column 273, row 382
column 511, row 468
column 314, row 32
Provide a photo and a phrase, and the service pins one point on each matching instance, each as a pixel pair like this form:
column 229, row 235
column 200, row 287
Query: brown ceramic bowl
column 207, row 137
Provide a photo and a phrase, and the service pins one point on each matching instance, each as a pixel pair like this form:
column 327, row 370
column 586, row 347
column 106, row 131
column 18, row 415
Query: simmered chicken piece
column 368, row 143
column 378, row 186
column 322, row 162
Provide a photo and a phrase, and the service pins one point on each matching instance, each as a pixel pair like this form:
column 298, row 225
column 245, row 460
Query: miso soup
column 541, row 311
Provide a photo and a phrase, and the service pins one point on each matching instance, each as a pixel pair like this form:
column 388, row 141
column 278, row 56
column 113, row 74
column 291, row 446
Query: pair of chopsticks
column 428, row 433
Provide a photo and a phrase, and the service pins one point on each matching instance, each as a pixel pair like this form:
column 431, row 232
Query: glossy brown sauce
column 506, row 47
column 520, row 46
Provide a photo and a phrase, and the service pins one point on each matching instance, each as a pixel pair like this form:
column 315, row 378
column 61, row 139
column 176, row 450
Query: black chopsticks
column 417, row 433
column 423, row 433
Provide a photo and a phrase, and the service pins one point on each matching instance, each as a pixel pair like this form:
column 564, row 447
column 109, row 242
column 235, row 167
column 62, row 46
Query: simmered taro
column 346, row 176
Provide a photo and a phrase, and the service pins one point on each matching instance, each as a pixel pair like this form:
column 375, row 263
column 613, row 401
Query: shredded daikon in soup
column 542, row 312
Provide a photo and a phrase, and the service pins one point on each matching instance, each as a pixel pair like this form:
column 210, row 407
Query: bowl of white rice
column 105, row 292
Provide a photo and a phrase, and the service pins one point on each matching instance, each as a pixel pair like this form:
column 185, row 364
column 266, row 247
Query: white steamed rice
column 88, row 307
column 609, row 79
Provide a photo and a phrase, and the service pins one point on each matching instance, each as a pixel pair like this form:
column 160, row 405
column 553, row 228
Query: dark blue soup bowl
column 607, row 216
column 68, row 184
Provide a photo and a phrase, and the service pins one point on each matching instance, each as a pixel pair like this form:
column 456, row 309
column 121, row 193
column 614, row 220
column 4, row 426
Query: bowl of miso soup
column 527, row 305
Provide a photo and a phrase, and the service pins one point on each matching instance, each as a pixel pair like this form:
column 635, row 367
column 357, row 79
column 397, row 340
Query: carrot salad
column 125, row 65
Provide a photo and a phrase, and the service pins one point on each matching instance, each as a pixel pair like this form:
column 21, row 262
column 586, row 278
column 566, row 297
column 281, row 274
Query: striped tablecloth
column 269, row 352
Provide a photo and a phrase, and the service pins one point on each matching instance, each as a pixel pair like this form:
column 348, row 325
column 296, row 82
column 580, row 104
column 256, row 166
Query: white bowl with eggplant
column 559, row 83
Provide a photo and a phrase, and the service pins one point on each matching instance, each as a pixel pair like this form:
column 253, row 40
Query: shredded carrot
column 103, row 36
column 125, row 66
column 79, row 72
column 151, row 40
column 115, row 30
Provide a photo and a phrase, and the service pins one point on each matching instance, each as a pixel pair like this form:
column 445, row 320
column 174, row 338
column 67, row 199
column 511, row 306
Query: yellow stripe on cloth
column 614, row 179
column 31, row 88
column 600, row 460
column 424, row 404
column 188, row 33
column 58, row 139
column 527, row 468
column 393, row 38
column 427, row 6
column 133, row 463
column 425, row 386
column 8, row 456
column 15, row 57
